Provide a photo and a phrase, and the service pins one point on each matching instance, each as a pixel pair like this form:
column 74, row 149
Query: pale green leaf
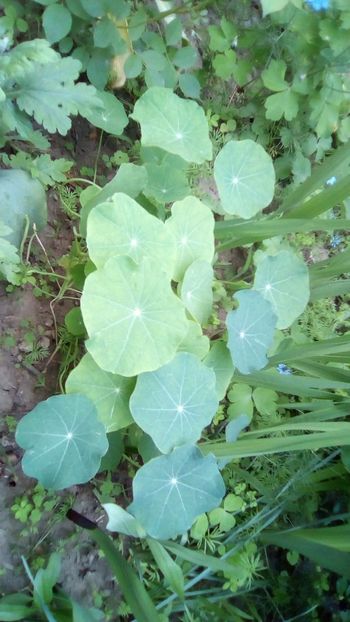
column 219, row 359
column 174, row 124
column 110, row 393
column 63, row 441
column 271, row 6
column 110, row 116
column 250, row 331
column 120, row 521
column 239, row 169
column 192, row 225
column 282, row 104
column 174, row 403
column 166, row 183
column 57, row 22
column 134, row 320
column 273, row 75
column 171, row 491
column 283, row 280
column 120, row 226
column 194, row 341
column 196, row 290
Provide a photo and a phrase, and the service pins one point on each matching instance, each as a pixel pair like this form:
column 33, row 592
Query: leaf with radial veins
column 64, row 441
column 110, row 393
column 283, row 280
column 174, row 124
column 171, row 491
column 133, row 318
column 196, row 290
column 122, row 227
column 245, row 178
column 250, row 331
column 192, row 225
column 174, row 403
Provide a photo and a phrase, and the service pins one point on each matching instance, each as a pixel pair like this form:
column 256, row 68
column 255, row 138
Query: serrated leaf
column 57, row 22
column 122, row 227
column 63, row 441
column 123, row 317
column 48, row 93
column 273, row 76
column 171, row 491
column 196, row 290
column 238, row 170
column 224, row 64
column 9, row 258
column 250, row 331
column 49, row 171
column 174, row 403
column 174, row 124
column 110, row 393
column 283, row 280
column 284, row 104
column 192, row 225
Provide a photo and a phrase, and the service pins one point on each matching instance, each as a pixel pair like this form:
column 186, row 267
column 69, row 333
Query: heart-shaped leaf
column 64, row 441
column 171, row 491
column 250, row 331
column 196, row 290
column 283, row 280
column 122, row 227
column 245, row 178
column 174, row 124
column 174, row 403
column 110, row 393
column 134, row 319
column 192, row 225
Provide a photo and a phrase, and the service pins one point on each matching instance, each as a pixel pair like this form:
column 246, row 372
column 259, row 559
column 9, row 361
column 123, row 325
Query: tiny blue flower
column 331, row 181
column 283, row 369
column 336, row 239
column 318, row 5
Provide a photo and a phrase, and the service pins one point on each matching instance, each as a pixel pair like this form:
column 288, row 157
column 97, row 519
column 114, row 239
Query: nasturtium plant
column 283, row 280
column 251, row 329
column 174, row 124
column 174, row 403
column 110, row 393
column 63, row 441
column 134, row 320
column 194, row 341
column 196, row 290
column 121, row 521
column 171, row 491
column 219, row 359
column 122, row 227
column 245, row 178
column 192, row 225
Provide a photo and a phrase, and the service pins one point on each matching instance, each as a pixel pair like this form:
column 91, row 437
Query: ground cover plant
column 203, row 389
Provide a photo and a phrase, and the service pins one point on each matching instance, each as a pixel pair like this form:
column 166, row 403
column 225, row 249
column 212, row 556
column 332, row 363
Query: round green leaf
column 174, row 124
column 122, row 227
column 192, row 225
column 21, row 197
column 250, row 331
column 64, row 441
column 194, row 341
column 245, row 178
column 134, row 320
column 283, row 280
column 196, row 290
column 219, row 359
column 166, row 183
column 110, row 393
column 110, row 117
column 57, row 22
column 174, row 403
column 171, row 491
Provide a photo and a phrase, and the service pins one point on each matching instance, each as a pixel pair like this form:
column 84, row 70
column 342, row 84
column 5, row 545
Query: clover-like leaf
column 134, row 320
column 174, row 124
column 64, row 441
column 122, row 227
column 283, row 280
column 245, row 178
column 171, row 491
column 250, row 331
column 192, row 225
column 110, row 393
column 174, row 403
column 196, row 290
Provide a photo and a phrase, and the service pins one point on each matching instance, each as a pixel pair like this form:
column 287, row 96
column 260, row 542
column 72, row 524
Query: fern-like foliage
column 35, row 81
